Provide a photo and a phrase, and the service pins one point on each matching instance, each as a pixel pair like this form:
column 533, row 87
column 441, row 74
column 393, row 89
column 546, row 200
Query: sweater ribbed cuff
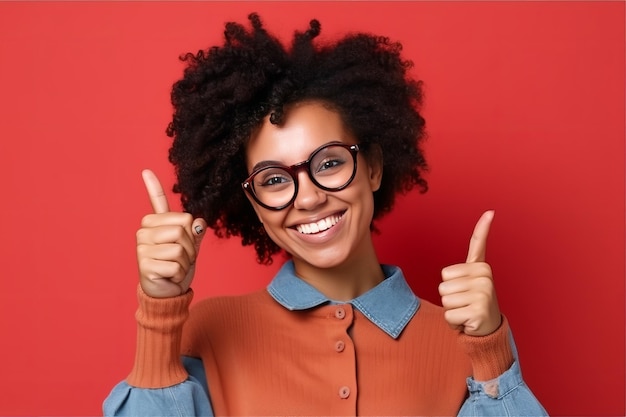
column 159, row 329
column 491, row 355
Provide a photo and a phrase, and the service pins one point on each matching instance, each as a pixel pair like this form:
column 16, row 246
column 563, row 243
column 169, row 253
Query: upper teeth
column 319, row 226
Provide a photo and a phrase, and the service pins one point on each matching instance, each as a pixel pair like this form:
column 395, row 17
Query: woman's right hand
column 167, row 245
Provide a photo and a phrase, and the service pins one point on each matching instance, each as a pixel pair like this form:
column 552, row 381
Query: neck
column 343, row 282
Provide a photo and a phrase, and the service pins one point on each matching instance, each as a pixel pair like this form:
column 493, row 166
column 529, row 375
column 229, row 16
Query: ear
column 375, row 166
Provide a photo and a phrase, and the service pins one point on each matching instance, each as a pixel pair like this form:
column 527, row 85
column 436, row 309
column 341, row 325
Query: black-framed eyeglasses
column 331, row 167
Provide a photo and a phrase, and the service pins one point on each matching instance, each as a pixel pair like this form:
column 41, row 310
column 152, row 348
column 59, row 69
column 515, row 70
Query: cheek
column 272, row 222
column 362, row 199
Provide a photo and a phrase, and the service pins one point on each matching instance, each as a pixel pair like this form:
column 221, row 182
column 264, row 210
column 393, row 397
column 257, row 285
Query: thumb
column 199, row 227
column 157, row 196
column 478, row 243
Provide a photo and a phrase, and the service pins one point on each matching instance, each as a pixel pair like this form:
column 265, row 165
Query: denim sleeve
column 506, row 395
column 189, row 398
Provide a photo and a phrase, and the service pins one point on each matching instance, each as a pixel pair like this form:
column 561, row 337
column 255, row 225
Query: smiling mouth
column 319, row 226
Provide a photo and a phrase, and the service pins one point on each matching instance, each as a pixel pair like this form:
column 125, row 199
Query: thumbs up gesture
column 467, row 292
column 167, row 245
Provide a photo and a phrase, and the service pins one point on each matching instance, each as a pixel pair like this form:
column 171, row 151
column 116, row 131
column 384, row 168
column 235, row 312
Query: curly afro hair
column 227, row 91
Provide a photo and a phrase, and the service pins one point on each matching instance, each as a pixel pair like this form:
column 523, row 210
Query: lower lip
column 321, row 237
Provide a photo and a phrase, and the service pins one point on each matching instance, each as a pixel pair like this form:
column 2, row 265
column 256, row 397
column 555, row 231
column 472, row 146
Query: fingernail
column 198, row 229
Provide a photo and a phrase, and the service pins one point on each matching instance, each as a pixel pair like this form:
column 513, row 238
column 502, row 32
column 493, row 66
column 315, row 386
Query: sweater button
column 340, row 346
column 340, row 313
column 344, row 392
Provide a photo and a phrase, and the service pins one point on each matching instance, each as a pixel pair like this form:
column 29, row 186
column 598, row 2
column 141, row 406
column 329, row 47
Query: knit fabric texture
column 262, row 359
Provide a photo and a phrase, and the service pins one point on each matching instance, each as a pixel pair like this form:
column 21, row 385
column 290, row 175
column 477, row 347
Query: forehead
column 306, row 127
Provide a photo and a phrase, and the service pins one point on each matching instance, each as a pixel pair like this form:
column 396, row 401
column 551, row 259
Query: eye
column 330, row 164
column 273, row 178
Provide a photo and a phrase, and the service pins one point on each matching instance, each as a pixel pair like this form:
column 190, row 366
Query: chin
column 324, row 260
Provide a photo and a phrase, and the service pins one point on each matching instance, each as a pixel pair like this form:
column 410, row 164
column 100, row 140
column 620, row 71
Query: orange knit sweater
column 262, row 359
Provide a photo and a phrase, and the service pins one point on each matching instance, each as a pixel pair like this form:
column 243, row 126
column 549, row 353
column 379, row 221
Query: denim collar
column 390, row 305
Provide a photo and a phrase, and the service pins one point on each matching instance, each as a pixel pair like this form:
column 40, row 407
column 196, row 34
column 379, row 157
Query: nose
column 309, row 195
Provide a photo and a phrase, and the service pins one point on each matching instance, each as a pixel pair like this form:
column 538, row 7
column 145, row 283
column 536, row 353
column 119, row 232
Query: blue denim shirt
column 190, row 398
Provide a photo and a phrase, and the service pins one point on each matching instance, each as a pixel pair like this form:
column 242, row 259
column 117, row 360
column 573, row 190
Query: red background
column 525, row 110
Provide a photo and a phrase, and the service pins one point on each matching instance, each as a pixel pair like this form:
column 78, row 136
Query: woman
column 300, row 151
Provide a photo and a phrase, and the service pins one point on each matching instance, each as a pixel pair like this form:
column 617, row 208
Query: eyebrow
column 264, row 164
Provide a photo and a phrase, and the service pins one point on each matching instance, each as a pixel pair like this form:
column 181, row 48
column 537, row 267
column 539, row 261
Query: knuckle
column 485, row 269
column 179, row 232
column 446, row 301
column 179, row 273
column 178, row 278
column 450, row 317
column 179, row 252
column 144, row 266
column 141, row 251
column 447, row 271
column 175, row 268
column 482, row 298
column 186, row 218
column 140, row 235
column 147, row 220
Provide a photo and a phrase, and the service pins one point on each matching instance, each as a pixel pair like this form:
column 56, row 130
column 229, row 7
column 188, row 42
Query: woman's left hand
column 467, row 291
